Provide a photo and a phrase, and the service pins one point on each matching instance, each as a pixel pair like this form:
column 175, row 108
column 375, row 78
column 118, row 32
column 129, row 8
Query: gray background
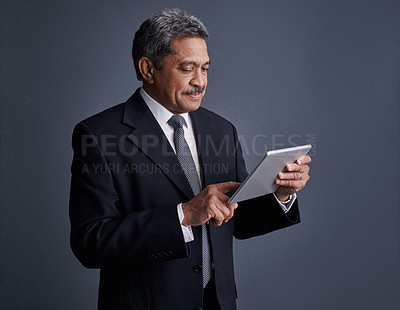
column 284, row 71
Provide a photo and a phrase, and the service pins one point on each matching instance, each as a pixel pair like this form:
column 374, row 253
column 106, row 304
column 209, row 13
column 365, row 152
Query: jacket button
column 197, row 268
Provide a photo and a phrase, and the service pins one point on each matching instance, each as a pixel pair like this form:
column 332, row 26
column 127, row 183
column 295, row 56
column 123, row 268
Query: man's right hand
column 210, row 204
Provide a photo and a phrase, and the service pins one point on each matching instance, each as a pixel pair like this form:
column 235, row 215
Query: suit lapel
column 149, row 138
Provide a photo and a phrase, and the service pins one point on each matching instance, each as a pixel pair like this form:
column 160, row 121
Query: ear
column 146, row 68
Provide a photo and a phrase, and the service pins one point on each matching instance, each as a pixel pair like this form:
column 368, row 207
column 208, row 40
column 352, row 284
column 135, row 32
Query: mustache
column 193, row 91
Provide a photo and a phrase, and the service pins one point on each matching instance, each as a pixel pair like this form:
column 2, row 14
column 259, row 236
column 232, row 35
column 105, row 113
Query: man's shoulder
column 109, row 120
column 110, row 114
column 103, row 122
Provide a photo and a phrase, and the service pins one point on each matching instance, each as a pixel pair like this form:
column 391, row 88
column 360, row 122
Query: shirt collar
column 161, row 114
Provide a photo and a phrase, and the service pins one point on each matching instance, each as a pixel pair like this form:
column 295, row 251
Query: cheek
column 181, row 86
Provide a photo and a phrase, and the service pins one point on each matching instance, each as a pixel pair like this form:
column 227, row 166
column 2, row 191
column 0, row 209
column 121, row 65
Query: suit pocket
column 112, row 299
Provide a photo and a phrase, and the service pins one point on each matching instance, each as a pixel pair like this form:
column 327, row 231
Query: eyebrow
column 194, row 63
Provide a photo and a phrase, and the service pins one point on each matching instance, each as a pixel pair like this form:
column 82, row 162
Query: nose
column 199, row 78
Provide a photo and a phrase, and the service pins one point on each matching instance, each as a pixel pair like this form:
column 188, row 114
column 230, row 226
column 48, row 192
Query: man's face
column 181, row 83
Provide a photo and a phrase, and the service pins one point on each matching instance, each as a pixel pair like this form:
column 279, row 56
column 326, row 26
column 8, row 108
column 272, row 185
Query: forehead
column 190, row 49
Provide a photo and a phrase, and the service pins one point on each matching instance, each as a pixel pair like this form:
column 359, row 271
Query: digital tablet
column 261, row 180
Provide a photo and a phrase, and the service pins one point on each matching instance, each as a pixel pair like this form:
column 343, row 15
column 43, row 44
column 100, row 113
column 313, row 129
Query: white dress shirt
column 162, row 115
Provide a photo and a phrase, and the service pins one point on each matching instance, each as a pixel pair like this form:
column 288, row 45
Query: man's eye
column 186, row 69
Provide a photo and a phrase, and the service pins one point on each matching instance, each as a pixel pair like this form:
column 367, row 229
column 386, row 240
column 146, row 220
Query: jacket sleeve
column 261, row 215
column 100, row 235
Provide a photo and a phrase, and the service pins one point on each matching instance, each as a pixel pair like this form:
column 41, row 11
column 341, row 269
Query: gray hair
column 154, row 37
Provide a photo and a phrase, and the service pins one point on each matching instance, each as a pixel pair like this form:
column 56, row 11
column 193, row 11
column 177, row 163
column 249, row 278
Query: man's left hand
column 293, row 179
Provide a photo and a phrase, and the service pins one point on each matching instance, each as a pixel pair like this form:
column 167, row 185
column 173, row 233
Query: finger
column 225, row 210
column 217, row 216
column 290, row 175
column 294, row 168
column 296, row 185
column 214, row 222
column 304, row 160
column 227, row 186
column 231, row 208
column 298, row 168
column 220, row 200
column 221, row 196
column 224, row 199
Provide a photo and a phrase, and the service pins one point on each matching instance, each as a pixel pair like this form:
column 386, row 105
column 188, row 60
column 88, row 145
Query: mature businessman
column 150, row 178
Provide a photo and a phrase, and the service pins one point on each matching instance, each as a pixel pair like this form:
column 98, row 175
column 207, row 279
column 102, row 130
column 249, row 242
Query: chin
column 193, row 107
column 190, row 106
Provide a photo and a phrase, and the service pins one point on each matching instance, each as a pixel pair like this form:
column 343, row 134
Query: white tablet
column 262, row 180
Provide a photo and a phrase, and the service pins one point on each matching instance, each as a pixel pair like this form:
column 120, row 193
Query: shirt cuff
column 286, row 205
column 186, row 230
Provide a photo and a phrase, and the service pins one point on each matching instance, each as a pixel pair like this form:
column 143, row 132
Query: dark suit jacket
column 126, row 184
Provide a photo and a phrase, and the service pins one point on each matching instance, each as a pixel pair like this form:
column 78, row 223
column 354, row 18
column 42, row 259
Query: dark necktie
column 185, row 158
